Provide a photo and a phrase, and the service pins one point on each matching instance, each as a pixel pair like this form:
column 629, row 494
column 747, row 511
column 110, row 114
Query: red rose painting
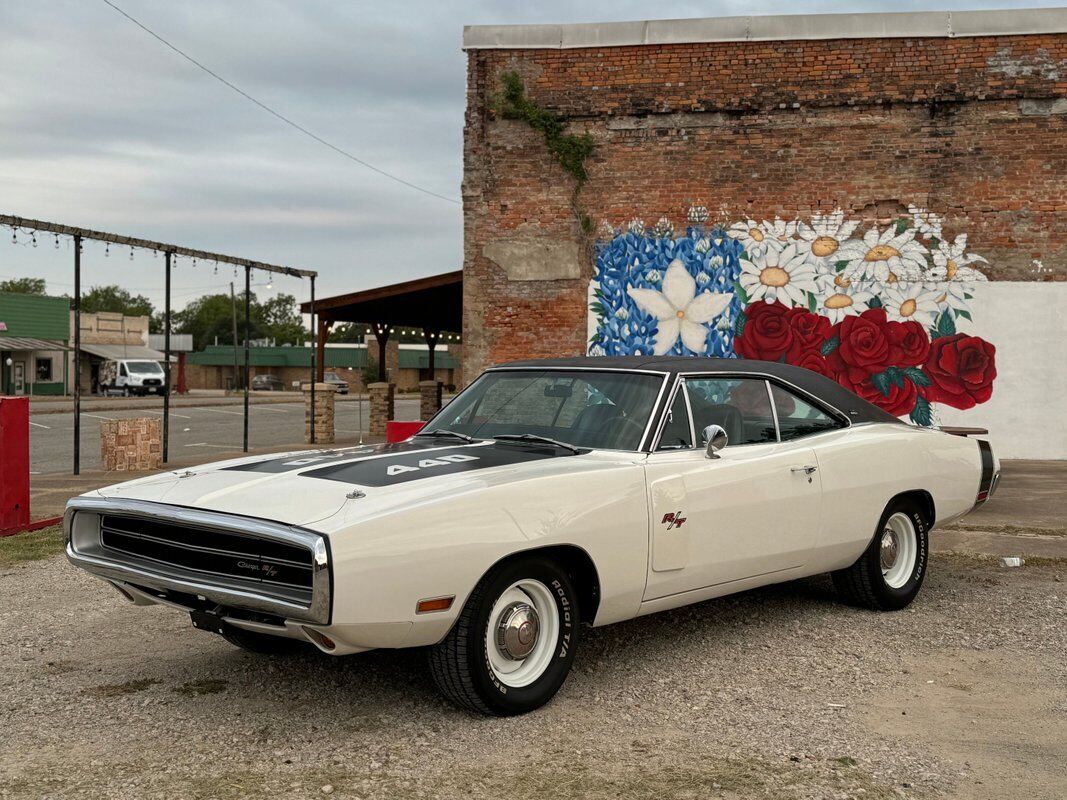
column 898, row 366
column 961, row 370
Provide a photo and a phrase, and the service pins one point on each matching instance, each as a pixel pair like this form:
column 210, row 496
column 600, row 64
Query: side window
column 740, row 405
column 797, row 417
column 676, row 432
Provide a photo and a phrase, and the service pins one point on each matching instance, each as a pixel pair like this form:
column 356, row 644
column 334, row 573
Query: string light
column 131, row 254
column 57, row 241
column 216, row 272
column 14, row 238
column 270, row 283
column 34, row 237
column 107, row 250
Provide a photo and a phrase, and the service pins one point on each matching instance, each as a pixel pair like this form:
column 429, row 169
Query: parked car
column 131, row 376
column 333, row 379
column 267, row 383
column 546, row 495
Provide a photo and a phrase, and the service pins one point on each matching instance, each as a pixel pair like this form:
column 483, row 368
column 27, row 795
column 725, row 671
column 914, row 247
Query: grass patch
column 31, row 546
column 202, row 686
column 120, row 689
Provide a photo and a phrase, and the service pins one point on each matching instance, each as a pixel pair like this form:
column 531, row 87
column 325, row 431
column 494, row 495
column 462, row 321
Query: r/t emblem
column 673, row 520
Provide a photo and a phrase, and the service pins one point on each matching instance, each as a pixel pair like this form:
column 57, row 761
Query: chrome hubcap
column 516, row 630
column 890, row 549
column 899, row 550
column 521, row 633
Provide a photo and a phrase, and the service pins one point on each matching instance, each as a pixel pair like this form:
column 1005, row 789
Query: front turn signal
column 434, row 604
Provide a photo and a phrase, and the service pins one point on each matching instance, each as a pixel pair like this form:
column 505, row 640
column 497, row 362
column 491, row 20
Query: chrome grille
column 275, row 567
column 237, row 562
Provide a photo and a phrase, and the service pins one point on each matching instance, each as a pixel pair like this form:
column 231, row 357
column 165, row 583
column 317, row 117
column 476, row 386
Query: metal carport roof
column 116, row 352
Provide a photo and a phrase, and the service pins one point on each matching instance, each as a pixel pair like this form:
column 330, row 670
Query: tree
column 211, row 317
column 117, row 300
column 23, row 286
column 280, row 319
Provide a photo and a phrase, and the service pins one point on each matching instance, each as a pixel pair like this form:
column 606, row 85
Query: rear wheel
column 513, row 644
column 889, row 574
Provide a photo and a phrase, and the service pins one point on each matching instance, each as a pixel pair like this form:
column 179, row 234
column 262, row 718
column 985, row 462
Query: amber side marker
column 435, row 604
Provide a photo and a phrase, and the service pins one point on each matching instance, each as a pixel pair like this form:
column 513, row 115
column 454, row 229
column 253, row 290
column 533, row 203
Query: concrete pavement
column 204, row 397
column 200, row 432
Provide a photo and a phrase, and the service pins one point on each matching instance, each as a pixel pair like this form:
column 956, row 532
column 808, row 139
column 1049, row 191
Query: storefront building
column 33, row 342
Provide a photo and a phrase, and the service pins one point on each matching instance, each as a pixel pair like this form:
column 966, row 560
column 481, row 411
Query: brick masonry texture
column 974, row 129
column 382, row 397
column 324, row 413
column 429, row 399
column 131, row 444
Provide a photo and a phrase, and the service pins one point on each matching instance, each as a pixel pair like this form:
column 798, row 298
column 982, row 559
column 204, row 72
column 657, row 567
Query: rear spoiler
column 964, row 431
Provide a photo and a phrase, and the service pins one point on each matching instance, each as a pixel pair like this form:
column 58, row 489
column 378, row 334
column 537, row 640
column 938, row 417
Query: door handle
column 807, row 470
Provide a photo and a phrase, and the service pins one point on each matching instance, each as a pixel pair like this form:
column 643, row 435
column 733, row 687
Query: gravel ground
column 779, row 692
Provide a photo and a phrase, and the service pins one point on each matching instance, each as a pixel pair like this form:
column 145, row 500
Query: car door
column 752, row 511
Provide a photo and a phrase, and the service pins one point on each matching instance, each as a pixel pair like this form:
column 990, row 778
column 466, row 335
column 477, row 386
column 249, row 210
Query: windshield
column 607, row 410
column 330, row 376
column 144, row 368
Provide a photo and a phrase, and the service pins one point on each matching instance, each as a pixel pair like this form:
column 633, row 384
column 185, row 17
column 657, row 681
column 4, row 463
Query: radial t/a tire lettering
column 513, row 644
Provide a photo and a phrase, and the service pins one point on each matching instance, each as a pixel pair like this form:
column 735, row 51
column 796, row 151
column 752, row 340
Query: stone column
column 381, row 406
column 324, row 397
column 429, row 399
column 131, row 444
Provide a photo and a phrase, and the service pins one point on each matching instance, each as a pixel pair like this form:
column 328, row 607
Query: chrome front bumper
column 81, row 523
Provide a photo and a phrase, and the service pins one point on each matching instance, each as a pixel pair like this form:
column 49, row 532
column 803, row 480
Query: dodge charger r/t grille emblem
column 673, row 520
column 266, row 569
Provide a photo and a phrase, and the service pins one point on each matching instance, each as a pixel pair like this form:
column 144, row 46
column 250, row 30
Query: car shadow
column 383, row 683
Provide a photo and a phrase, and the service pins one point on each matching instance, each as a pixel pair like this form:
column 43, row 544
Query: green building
column 34, row 337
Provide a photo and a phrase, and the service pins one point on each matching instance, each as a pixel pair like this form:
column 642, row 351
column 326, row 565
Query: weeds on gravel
column 119, row 689
column 31, row 546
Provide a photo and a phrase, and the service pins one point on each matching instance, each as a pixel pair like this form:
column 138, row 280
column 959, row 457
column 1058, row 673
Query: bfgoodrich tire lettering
column 877, row 579
column 466, row 667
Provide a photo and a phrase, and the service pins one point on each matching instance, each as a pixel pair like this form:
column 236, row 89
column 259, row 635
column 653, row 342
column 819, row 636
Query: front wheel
column 889, row 574
column 513, row 644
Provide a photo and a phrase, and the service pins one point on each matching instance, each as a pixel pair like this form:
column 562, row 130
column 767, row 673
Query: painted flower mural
column 876, row 312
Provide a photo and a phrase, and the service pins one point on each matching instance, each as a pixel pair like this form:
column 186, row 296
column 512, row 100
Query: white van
column 131, row 376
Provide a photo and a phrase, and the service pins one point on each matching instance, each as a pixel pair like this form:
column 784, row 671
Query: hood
column 309, row 487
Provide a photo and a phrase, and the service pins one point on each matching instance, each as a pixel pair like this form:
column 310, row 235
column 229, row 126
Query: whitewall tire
column 889, row 574
column 513, row 644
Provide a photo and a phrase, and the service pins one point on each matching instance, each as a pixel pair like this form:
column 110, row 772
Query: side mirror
column 715, row 438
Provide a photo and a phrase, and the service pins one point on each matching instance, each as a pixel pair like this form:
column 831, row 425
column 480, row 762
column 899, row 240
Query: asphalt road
column 205, row 430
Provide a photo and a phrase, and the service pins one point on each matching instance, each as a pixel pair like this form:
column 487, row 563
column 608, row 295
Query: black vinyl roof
column 829, row 391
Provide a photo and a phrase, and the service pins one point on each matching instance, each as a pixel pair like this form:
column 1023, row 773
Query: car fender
column 384, row 563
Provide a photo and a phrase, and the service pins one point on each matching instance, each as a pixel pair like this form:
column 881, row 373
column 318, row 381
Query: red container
column 14, row 464
column 399, row 431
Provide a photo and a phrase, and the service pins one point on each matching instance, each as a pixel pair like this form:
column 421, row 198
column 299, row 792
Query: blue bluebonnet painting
column 639, row 259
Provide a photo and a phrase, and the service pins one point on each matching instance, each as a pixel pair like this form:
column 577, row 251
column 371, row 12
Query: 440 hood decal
column 415, row 466
column 386, row 465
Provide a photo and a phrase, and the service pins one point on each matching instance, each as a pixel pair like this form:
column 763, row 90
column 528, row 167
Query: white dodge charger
column 545, row 496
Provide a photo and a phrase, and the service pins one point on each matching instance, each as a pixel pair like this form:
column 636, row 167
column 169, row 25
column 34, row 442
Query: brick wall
column 973, row 128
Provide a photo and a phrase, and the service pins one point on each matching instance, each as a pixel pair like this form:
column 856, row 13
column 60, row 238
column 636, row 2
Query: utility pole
column 233, row 303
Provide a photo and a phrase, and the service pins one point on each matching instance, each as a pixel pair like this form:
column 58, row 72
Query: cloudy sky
column 102, row 126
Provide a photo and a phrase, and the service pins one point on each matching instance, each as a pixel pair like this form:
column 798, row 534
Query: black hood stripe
column 405, row 467
column 292, row 463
